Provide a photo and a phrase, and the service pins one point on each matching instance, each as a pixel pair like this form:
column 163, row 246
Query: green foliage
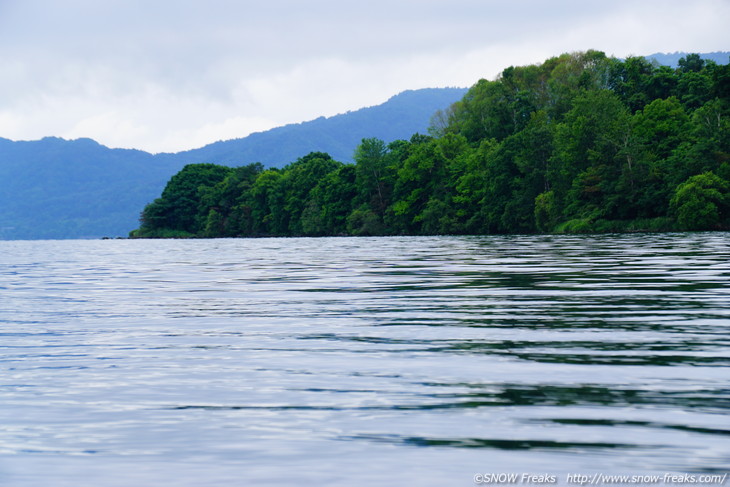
column 578, row 225
column 364, row 221
column 298, row 181
column 331, row 201
column 546, row 211
column 371, row 175
column 702, row 202
column 581, row 143
column 180, row 208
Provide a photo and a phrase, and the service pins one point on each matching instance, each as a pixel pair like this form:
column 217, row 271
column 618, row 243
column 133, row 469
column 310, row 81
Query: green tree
column 484, row 112
column 370, row 170
column 267, row 202
column 299, row 179
column 586, row 164
column 178, row 208
column 363, row 221
column 694, row 89
column 429, row 174
column 662, row 83
column 331, row 201
column 214, row 225
column 702, row 202
column 227, row 202
column 546, row 212
column 629, row 80
column 658, row 131
column 691, row 63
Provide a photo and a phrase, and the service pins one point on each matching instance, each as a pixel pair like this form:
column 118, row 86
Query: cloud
column 172, row 75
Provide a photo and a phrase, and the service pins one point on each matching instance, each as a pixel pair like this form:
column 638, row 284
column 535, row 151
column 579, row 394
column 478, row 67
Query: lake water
column 421, row 361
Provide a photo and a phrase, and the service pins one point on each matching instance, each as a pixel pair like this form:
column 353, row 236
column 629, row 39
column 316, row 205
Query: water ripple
column 228, row 359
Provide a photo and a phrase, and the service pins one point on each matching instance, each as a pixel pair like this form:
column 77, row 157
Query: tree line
column 580, row 143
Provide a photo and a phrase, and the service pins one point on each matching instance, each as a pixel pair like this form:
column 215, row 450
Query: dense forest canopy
column 581, row 143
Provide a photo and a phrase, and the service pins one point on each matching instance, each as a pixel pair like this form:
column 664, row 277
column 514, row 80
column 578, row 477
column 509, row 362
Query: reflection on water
column 370, row 361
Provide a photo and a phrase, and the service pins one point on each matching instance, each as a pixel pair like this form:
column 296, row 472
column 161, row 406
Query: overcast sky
column 169, row 75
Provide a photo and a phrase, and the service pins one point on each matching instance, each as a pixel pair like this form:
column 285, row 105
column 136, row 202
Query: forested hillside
column 581, row 143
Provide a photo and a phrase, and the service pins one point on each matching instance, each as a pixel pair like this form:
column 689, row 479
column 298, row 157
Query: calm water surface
column 362, row 361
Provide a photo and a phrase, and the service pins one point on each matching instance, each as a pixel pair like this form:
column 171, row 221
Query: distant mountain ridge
column 672, row 59
column 55, row 188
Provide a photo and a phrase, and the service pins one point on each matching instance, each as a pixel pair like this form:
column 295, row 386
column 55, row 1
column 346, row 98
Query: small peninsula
column 581, row 143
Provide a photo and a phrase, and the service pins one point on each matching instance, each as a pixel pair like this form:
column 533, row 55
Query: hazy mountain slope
column 55, row 188
column 399, row 118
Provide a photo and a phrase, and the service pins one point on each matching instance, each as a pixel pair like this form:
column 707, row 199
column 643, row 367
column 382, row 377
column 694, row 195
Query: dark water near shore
column 362, row 361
